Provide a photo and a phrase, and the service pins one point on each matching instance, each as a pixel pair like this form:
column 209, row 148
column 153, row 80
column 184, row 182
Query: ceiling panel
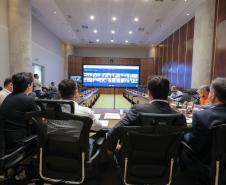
column 157, row 19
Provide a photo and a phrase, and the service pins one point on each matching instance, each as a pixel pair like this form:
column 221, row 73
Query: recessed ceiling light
column 136, row 19
column 97, row 40
column 95, row 31
column 114, row 18
column 185, row 0
column 113, row 31
column 130, row 32
column 112, row 40
column 91, row 17
column 126, row 41
column 54, row 12
column 187, row 14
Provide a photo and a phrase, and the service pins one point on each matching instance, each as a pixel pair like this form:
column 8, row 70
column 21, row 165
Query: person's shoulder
column 141, row 107
column 84, row 111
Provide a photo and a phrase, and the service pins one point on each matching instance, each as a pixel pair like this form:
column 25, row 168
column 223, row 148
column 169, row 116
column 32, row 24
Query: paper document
column 112, row 116
column 189, row 120
column 97, row 116
column 104, row 123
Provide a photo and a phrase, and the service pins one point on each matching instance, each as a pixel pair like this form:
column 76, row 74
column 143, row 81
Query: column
column 68, row 50
column 20, row 48
column 203, row 43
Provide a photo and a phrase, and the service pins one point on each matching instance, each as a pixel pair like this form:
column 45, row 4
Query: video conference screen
column 76, row 78
column 111, row 75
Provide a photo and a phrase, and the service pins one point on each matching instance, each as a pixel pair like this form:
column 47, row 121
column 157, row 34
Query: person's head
column 36, row 76
column 22, row 83
column 68, row 89
column 204, row 91
column 217, row 93
column 158, row 87
column 173, row 88
column 8, row 84
column 52, row 83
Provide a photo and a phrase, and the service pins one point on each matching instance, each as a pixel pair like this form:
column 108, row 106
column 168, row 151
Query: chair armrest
column 29, row 139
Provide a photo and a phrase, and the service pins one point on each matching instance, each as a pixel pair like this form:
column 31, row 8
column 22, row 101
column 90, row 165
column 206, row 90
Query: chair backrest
column 55, row 105
column 150, row 153
column 64, row 144
column 148, row 119
column 218, row 153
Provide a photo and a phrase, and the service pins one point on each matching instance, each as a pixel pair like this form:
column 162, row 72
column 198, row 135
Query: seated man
column 14, row 107
column 8, row 88
column 204, row 120
column 69, row 91
column 203, row 95
column 175, row 93
column 158, row 90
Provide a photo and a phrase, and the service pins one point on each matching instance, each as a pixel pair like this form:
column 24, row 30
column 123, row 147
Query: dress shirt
column 3, row 94
column 84, row 111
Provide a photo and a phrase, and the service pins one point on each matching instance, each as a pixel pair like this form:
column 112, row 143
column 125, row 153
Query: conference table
column 100, row 112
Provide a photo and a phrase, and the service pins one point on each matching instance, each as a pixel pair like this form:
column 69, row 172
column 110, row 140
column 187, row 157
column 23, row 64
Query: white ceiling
column 158, row 18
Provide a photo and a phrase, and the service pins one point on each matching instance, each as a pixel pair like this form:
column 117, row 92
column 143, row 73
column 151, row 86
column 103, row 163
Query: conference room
column 113, row 92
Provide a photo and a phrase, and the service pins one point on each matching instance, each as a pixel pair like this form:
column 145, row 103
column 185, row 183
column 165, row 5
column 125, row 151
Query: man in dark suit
column 158, row 90
column 14, row 107
column 202, row 121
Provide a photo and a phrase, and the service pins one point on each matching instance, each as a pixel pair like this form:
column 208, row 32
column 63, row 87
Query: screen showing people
column 77, row 79
column 111, row 76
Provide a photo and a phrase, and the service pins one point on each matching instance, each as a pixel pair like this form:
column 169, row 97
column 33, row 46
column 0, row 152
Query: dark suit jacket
column 13, row 110
column 202, row 121
column 131, row 119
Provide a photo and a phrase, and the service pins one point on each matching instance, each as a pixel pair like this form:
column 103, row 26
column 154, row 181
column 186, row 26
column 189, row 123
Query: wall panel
column 219, row 52
column 176, row 56
column 147, row 67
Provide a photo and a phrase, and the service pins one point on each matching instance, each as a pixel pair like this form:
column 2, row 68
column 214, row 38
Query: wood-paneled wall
column 219, row 51
column 174, row 56
column 147, row 68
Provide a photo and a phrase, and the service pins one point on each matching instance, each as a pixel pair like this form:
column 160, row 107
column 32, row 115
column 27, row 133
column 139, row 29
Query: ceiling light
column 187, row 14
column 130, row 32
column 92, row 17
column 126, row 41
column 95, row 31
column 113, row 31
column 185, row 0
column 136, row 19
column 54, row 12
column 114, row 18
column 97, row 40
column 112, row 40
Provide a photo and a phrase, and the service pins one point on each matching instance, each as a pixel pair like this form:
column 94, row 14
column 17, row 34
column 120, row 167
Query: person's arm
column 115, row 134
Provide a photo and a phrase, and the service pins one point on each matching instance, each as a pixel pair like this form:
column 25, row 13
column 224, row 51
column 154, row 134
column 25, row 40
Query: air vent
column 91, row 42
column 36, row 13
column 157, row 20
column 84, row 27
column 69, row 16
column 140, row 29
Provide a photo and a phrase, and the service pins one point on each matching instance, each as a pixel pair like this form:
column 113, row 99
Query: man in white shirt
column 175, row 93
column 69, row 91
column 8, row 88
column 37, row 85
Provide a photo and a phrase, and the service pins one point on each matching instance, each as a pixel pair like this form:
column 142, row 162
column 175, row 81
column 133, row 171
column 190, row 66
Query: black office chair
column 147, row 119
column 65, row 152
column 214, row 167
column 149, row 154
column 56, row 105
column 11, row 158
